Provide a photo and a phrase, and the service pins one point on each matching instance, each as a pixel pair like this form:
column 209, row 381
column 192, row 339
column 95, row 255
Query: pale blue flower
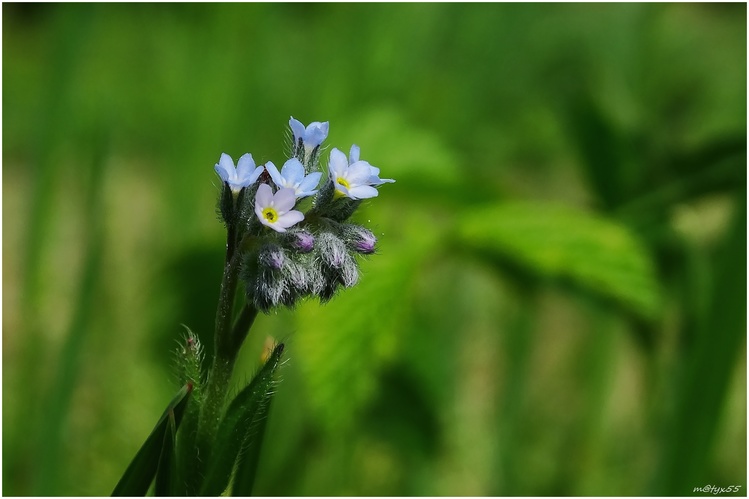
column 350, row 180
column 275, row 210
column 292, row 176
column 374, row 178
column 312, row 136
column 243, row 175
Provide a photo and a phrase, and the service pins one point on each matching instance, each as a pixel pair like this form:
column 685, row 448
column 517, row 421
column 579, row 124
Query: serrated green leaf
column 142, row 469
column 347, row 342
column 241, row 418
column 555, row 241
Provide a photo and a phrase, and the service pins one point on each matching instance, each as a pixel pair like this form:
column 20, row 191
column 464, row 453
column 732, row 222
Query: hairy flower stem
column 243, row 324
column 225, row 355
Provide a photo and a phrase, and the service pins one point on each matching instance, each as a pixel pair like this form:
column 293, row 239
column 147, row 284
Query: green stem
column 243, row 325
column 225, row 355
column 228, row 341
column 222, row 336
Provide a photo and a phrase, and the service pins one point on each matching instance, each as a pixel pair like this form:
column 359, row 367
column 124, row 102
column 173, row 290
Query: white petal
column 288, row 219
column 358, row 173
column 375, row 180
column 274, row 225
column 343, row 190
column 337, row 164
column 259, row 213
column 363, row 192
column 284, row 200
column 263, row 198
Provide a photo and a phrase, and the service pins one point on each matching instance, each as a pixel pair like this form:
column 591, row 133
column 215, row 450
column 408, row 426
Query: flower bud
column 272, row 257
column 338, row 266
column 307, row 141
column 297, row 277
column 349, row 272
column 268, row 291
column 331, row 249
column 300, row 240
column 189, row 358
column 264, row 278
column 359, row 239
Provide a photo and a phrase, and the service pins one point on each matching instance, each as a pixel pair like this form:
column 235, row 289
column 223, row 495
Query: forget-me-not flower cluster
column 293, row 247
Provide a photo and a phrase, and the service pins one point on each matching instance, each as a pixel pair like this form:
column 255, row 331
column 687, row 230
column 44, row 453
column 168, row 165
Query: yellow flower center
column 270, row 215
column 343, row 182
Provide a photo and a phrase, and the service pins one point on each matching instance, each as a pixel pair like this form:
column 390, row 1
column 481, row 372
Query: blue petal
column 309, row 183
column 353, row 155
column 245, row 168
column 315, row 134
column 358, row 173
column 363, row 192
column 275, row 175
column 221, row 172
column 297, row 129
column 255, row 175
column 337, row 164
column 292, row 172
column 225, row 167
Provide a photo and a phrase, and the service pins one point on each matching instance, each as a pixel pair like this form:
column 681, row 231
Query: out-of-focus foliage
column 555, row 241
column 558, row 305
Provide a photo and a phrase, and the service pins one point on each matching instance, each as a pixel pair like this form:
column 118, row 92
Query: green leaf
column 242, row 418
column 165, row 475
column 141, row 471
column 249, row 457
column 349, row 341
column 554, row 241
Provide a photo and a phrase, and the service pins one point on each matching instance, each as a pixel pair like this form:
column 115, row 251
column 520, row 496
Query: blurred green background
column 558, row 306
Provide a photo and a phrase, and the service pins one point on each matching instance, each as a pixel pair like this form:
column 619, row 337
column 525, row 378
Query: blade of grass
column 519, row 344
column 58, row 401
column 70, row 31
column 711, row 360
